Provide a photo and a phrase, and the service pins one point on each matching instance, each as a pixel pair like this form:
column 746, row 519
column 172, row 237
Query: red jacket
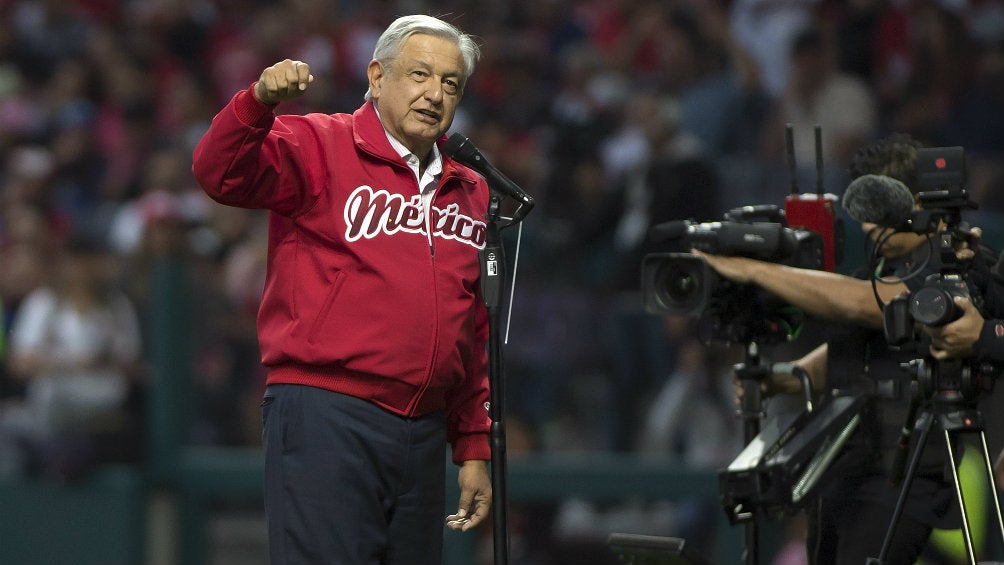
column 355, row 300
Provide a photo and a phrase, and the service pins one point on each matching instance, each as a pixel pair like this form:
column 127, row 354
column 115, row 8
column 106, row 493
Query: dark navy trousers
column 349, row 483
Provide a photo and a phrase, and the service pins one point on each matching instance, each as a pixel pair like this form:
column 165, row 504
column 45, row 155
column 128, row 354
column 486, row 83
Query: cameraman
column 849, row 519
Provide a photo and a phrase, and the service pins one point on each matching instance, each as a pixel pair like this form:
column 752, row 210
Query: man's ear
column 375, row 74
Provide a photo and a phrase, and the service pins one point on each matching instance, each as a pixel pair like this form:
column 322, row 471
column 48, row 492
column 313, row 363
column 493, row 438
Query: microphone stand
column 492, row 259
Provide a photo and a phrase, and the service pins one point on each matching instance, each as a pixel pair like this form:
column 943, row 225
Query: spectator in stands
column 818, row 93
column 76, row 344
column 692, row 417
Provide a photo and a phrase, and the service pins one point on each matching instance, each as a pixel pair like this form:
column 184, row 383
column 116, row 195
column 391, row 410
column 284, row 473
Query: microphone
column 878, row 199
column 460, row 149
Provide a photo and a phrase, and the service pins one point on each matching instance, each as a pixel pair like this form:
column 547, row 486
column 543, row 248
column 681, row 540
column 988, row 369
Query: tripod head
column 952, row 383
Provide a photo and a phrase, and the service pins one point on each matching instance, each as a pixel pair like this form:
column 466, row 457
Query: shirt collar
column 435, row 166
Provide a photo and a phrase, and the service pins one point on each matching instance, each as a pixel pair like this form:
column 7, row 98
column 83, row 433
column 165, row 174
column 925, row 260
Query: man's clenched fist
column 283, row 81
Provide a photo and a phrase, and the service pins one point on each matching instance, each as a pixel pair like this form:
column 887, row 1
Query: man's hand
column 775, row 383
column 475, row 496
column 283, row 81
column 965, row 247
column 956, row 339
column 736, row 269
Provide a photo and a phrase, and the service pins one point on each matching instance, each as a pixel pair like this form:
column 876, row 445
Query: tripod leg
column 993, row 488
column 751, row 543
column 924, row 423
column 966, row 532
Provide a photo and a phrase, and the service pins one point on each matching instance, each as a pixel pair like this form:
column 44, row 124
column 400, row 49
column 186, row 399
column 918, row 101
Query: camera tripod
column 954, row 415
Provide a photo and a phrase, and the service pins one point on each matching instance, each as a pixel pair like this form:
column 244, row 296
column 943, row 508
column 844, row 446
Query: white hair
column 389, row 45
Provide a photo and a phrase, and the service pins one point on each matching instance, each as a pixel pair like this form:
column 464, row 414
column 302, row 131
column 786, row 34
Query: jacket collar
column 369, row 136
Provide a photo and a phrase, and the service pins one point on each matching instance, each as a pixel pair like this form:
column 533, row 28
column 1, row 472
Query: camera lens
column 933, row 306
column 679, row 285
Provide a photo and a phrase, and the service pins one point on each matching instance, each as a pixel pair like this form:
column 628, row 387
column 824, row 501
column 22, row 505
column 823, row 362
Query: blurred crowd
column 615, row 114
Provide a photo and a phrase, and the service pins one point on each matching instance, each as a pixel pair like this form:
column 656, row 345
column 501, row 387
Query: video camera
column 941, row 179
column 682, row 283
column 941, row 176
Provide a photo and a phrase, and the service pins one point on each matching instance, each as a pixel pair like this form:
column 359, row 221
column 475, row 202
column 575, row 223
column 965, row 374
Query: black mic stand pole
column 492, row 274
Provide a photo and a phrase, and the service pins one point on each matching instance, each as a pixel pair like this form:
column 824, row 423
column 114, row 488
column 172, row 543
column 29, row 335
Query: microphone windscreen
column 878, row 199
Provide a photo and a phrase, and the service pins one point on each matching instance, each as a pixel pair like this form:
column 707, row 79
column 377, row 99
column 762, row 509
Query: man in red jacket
column 371, row 322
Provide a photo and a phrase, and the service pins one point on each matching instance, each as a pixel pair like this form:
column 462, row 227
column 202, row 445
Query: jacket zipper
column 434, row 337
